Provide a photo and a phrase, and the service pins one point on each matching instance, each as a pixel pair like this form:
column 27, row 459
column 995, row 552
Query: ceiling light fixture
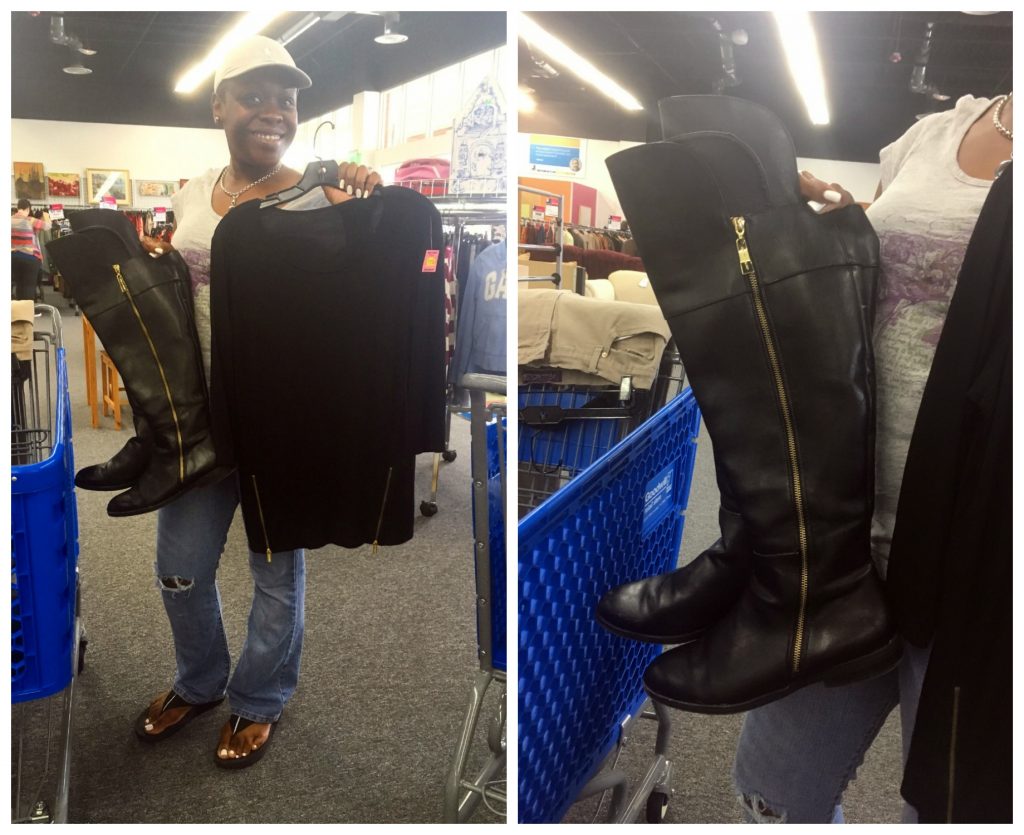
column 389, row 37
column 86, row 51
column 251, row 23
column 547, row 43
column 801, row 46
column 307, row 22
column 77, row 69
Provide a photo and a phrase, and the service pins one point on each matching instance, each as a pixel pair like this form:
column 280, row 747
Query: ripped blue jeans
column 191, row 533
column 796, row 756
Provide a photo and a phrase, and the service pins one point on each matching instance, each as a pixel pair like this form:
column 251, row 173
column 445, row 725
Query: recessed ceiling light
column 77, row 69
column 86, row 51
column 391, row 37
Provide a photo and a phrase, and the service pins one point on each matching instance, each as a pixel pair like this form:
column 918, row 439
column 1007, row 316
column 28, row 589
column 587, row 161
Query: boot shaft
column 772, row 315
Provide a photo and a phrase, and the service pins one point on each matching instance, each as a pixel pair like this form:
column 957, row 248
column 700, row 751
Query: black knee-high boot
column 141, row 309
column 771, row 306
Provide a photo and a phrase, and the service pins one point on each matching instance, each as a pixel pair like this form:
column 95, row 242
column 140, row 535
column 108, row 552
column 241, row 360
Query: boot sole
column 647, row 638
column 869, row 666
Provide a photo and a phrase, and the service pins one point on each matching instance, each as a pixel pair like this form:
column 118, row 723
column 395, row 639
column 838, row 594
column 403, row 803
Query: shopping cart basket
column 46, row 636
column 563, row 429
column 487, row 430
column 619, row 519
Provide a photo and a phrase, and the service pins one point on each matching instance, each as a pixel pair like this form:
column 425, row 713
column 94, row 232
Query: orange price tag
column 430, row 260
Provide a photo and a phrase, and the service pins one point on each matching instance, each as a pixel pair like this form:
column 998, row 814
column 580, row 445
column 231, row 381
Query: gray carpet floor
column 703, row 747
column 389, row 657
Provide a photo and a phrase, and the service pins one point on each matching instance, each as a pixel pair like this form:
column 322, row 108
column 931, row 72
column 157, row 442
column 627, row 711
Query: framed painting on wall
column 157, row 188
column 100, row 182
column 28, row 180
column 60, row 184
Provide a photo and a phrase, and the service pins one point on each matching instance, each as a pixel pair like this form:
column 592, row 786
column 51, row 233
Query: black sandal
column 254, row 756
column 172, row 701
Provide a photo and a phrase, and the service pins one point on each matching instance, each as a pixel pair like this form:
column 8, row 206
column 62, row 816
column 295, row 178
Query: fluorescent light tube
column 251, row 23
column 300, row 27
column 526, row 102
column 801, row 45
column 575, row 63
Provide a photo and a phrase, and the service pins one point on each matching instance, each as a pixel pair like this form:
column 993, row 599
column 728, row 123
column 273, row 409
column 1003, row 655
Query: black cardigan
column 328, row 365
column 950, row 574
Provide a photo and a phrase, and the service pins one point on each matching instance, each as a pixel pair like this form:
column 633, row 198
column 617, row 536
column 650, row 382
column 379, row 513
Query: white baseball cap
column 256, row 52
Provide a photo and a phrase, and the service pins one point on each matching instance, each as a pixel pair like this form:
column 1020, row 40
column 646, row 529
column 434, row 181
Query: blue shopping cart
column 47, row 641
column 616, row 518
column 487, row 431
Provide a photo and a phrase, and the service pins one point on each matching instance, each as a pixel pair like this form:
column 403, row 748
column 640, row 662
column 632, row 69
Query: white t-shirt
column 196, row 222
column 924, row 219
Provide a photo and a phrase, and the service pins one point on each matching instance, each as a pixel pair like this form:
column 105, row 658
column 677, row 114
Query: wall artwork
column 28, row 180
column 157, row 188
column 100, row 182
column 63, row 185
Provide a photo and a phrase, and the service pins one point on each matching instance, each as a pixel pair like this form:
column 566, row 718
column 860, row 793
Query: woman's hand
column 154, row 246
column 356, row 181
column 833, row 195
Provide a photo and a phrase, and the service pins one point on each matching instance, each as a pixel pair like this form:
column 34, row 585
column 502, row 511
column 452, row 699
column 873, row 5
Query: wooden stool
column 110, row 388
column 89, row 338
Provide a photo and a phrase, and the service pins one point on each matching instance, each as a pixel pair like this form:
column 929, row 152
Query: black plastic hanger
column 317, row 174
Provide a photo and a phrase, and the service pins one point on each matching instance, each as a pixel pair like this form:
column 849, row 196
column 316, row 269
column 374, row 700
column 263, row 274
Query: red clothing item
column 599, row 263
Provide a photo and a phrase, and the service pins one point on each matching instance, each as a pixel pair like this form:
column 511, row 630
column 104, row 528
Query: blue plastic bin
column 44, row 558
column 619, row 520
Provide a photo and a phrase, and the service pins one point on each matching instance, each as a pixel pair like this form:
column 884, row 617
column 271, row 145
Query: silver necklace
column 234, row 195
column 997, row 116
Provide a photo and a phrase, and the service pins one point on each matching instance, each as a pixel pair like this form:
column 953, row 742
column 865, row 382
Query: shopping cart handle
column 484, row 382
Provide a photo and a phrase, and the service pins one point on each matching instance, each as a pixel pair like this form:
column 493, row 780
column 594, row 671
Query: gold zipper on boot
column 747, row 269
column 263, row 522
column 380, row 521
column 174, row 413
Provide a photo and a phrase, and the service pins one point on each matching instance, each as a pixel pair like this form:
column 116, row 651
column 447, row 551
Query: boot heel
column 869, row 666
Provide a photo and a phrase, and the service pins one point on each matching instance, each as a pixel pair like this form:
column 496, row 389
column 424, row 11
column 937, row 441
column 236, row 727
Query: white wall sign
column 479, row 154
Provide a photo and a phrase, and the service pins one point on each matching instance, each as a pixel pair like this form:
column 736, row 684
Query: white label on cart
column 658, row 498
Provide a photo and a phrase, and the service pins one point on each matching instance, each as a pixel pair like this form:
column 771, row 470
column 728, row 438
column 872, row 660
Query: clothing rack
column 459, row 213
column 555, row 248
column 625, row 232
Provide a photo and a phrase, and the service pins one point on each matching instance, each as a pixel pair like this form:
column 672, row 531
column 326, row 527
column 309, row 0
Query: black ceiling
column 140, row 56
column 658, row 54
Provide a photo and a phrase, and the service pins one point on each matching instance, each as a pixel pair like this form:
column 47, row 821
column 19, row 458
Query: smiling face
column 258, row 112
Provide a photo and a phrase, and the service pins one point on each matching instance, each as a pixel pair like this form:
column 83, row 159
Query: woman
column 254, row 101
column 26, row 255
column 796, row 756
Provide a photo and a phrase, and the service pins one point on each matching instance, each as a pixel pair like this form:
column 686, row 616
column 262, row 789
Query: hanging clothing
column 597, row 263
column 451, row 305
column 951, row 564
column 328, row 370
column 480, row 347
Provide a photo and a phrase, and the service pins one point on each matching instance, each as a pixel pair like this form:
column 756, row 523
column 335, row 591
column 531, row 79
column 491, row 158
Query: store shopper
column 796, row 756
column 254, row 101
column 26, row 254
